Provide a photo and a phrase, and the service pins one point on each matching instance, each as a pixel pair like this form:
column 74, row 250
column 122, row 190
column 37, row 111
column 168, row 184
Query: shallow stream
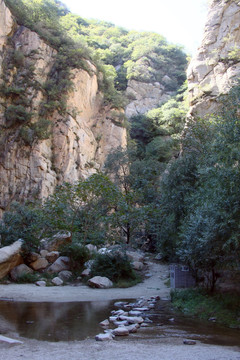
column 79, row 320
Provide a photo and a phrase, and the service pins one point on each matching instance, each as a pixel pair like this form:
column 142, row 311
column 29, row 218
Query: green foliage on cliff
column 118, row 54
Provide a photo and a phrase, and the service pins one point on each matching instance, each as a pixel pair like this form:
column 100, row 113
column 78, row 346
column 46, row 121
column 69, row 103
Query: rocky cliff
column 216, row 65
column 39, row 152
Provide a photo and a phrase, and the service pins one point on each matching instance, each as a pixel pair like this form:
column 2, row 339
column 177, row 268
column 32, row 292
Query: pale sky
column 179, row 21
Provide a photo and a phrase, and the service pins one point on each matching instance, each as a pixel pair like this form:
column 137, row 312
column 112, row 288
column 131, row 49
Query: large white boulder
column 100, row 282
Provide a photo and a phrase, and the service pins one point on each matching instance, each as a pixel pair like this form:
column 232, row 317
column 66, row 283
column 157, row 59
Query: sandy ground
column 30, row 292
column 127, row 349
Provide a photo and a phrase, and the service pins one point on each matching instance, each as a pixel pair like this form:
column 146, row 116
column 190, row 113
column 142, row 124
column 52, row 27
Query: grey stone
column 104, row 337
column 120, row 323
column 65, row 275
column 105, row 323
column 88, row 264
column 41, row 283
column 59, row 239
column 43, row 253
column 62, row 263
column 10, row 341
column 135, row 313
column 121, row 331
column 57, row 281
column 20, row 270
column 100, row 282
column 92, row 248
column 137, row 265
column 132, row 328
column 86, row 273
column 189, row 342
column 52, row 256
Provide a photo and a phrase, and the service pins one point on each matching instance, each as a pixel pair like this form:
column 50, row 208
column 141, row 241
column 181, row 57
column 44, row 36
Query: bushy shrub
column 16, row 114
column 78, row 255
column 114, row 266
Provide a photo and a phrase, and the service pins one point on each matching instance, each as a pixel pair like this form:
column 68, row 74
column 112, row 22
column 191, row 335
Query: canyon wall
column 79, row 140
column 216, row 66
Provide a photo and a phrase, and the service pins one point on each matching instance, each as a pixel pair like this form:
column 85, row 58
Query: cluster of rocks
column 48, row 262
column 128, row 319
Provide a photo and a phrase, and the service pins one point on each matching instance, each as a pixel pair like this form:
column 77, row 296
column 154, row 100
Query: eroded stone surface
column 80, row 140
column 100, row 282
column 217, row 63
column 10, row 257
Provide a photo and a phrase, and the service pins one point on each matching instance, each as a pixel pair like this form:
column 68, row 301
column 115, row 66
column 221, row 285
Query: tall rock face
column 145, row 96
column 79, row 139
column 216, row 65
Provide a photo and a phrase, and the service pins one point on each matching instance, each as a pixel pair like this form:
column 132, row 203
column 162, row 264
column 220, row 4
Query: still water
column 80, row 320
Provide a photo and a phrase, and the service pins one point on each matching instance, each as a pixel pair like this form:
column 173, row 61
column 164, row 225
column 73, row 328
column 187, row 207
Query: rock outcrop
column 10, row 257
column 217, row 63
column 80, row 139
column 145, row 96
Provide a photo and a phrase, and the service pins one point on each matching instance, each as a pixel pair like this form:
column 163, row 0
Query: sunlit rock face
column 145, row 96
column 216, row 65
column 80, row 140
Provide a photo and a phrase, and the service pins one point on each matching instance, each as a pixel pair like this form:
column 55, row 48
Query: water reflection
column 54, row 321
column 79, row 320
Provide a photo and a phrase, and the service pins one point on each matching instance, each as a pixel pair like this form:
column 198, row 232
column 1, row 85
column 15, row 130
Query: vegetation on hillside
column 118, row 54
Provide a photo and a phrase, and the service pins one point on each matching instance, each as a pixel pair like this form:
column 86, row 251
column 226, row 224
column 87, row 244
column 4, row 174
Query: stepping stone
column 189, row 342
column 10, row 341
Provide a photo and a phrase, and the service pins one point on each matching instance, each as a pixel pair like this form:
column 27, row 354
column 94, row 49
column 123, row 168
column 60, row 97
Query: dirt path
column 30, row 292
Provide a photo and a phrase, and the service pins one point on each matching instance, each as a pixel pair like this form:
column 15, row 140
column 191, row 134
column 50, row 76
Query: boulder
column 121, row 331
column 120, row 323
column 104, row 337
column 43, row 253
column 92, row 248
column 32, row 257
column 132, row 319
column 52, row 256
column 105, row 323
column 10, row 341
column 132, row 328
column 20, row 270
column 88, row 264
column 189, row 342
column 10, row 258
column 65, row 275
column 62, row 263
column 60, row 239
column 137, row 265
column 57, row 281
column 86, row 273
column 41, row 283
column 135, row 313
column 135, row 256
column 100, row 282
column 39, row 264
